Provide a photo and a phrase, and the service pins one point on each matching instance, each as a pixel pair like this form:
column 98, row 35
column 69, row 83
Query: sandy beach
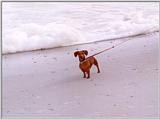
column 49, row 83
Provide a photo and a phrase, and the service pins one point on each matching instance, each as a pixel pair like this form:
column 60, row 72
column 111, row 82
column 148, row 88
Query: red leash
column 108, row 48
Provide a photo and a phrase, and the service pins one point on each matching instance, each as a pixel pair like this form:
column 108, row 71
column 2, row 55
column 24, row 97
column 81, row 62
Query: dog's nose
column 82, row 57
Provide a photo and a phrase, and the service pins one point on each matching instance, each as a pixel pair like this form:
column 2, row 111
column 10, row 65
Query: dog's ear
column 76, row 53
column 85, row 52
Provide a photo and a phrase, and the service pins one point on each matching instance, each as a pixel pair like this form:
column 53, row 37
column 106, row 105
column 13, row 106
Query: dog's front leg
column 84, row 75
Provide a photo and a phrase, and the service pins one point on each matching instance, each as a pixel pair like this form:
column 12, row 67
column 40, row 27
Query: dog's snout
column 81, row 57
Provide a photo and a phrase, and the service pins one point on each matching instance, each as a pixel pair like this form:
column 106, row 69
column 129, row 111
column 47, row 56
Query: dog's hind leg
column 96, row 63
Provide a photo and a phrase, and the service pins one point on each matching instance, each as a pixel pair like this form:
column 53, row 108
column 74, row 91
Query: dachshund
column 86, row 63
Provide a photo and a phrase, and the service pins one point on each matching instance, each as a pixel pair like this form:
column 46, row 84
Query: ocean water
column 34, row 25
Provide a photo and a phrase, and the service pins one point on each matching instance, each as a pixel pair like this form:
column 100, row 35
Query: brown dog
column 86, row 63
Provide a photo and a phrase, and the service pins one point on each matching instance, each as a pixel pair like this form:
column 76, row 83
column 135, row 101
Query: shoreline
column 120, row 38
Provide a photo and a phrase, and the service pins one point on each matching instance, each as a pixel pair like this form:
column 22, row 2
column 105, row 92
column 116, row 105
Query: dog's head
column 81, row 54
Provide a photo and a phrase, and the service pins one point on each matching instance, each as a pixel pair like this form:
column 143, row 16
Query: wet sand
column 49, row 83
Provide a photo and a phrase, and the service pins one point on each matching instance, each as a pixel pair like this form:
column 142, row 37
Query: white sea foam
column 33, row 36
column 31, row 26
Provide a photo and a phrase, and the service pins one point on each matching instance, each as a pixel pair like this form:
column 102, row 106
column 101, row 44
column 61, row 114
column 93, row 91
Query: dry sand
column 49, row 82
